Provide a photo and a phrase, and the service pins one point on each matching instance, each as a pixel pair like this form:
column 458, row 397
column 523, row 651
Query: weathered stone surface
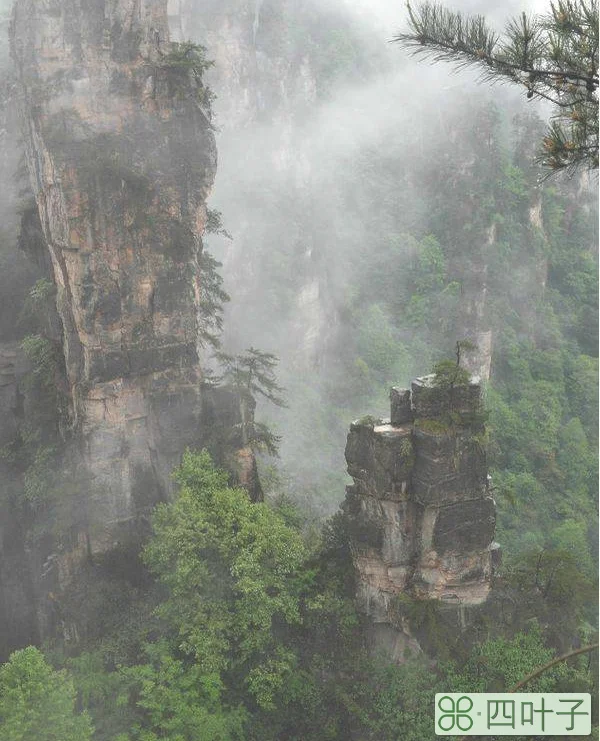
column 385, row 526
column 380, row 456
column 496, row 555
column 121, row 156
column 359, row 449
column 400, row 406
column 420, row 518
column 121, row 162
column 459, row 578
column 479, row 361
column 449, row 465
column 397, row 646
column 245, row 473
column 465, row 526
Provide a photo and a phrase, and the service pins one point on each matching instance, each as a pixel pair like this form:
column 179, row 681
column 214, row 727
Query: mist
column 229, row 227
column 304, row 205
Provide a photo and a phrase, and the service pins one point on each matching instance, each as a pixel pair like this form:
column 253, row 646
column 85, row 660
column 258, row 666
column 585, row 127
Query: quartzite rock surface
column 121, row 157
column 421, row 519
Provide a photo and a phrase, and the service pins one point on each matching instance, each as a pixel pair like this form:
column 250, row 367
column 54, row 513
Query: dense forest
column 191, row 576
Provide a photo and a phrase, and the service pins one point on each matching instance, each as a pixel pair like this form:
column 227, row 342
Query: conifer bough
column 554, row 56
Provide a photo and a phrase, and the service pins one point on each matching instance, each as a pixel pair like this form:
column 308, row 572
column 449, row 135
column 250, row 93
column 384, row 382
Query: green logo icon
column 455, row 712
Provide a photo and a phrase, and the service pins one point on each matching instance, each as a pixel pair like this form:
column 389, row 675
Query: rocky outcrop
column 420, row 514
column 121, row 157
column 17, row 618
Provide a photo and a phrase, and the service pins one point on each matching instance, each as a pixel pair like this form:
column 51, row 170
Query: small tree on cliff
column 250, row 373
column 449, row 373
column 554, row 56
column 213, row 296
column 185, row 64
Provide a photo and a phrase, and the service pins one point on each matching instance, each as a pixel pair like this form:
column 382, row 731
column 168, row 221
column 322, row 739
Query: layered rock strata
column 420, row 514
column 121, row 157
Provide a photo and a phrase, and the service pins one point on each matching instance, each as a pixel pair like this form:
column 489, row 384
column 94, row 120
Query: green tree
column 498, row 664
column 212, row 298
column 185, row 64
column 448, row 375
column 554, row 56
column 37, row 702
column 178, row 700
column 212, row 294
column 250, row 373
column 230, row 567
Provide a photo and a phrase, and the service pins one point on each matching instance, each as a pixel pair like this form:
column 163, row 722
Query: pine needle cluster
column 553, row 56
column 251, row 373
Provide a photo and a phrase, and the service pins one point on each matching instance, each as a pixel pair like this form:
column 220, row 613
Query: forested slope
column 378, row 217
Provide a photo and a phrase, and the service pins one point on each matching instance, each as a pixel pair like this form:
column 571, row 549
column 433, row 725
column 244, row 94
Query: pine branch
column 555, row 57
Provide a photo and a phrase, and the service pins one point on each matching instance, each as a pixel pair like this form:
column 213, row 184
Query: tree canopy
column 554, row 56
column 37, row 702
column 230, row 568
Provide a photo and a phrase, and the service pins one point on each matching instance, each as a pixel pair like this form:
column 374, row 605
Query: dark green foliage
column 212, row 295
column 36, row 448
column 212, row 298
column 39, row 302
column 555, row 57
column 255, row 637
column 251, row 373
column 263, row 440
column 448, row 375
column 230, row 573
column 185, row 65
column 33, row 454
column 214, row 224
column 44, row 357
column 187, row 56
column 556, row 584
column 498, row 664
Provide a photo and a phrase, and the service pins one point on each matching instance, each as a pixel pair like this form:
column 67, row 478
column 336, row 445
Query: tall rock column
column 121, row 157
column 421, row 519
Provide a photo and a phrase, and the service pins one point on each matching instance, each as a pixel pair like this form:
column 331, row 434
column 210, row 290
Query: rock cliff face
column 17, row 622
column 121, row 158
column 420, row 516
